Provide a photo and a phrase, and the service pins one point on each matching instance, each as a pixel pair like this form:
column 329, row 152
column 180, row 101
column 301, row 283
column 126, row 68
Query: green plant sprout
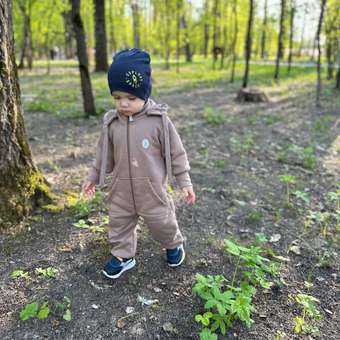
column 93, row 228
column 213, row 116
column 302, row 196
column 61, row 309
column 288, row 180
column 48, row 272
column 308, row 303
column 228, row 303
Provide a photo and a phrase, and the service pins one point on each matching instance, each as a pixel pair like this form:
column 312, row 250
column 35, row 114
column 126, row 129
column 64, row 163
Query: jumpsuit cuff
column 93, row 176
column 183, row 180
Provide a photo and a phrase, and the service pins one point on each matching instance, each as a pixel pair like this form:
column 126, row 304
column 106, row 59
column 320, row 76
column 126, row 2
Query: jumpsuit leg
column 164, row 229
column 122, row 235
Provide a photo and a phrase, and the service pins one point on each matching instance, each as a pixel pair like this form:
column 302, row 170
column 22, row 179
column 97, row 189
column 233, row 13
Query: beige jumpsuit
column 139, row 152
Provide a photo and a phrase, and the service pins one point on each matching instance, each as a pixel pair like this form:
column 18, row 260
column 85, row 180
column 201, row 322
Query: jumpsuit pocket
column 157, row 191
column 111, row 191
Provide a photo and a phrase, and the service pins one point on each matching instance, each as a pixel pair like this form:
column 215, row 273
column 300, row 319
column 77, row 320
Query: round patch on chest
column 145, row 143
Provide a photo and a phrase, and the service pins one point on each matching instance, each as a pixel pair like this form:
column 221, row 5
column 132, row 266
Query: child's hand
column 189, row 194
column 88, row 189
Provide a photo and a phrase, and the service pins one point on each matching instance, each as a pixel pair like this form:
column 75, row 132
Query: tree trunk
column 100, row 32
column 337, row 83
column 291, row 34
column 264, row 30
column 206, row 28
column 113, row 44
column 248, row 43
column 187, row 47
column 167, row 34
column 178, row 30
column 22, row 186
column 318, row 85
column 136, row 28
column 68, row 34
column 330, row 61
column 234, row 44
column 83, row 63
column 215, row 32
column 280, row 41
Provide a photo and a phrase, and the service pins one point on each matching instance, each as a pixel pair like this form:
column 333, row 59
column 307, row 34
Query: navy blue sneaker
column 117, row 266
column 176, row 256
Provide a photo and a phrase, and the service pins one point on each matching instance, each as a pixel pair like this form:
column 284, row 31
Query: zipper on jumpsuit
column 128, row 149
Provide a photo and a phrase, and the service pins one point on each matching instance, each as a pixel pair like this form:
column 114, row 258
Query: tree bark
column 27, row 45
column 291, row 34
column 264, row 30
column 136, row 26
column 187, row 47
column 83, row 63
column 100, row 32
column 113, row 44
column 178, row 31
column 318, row 85
column 234, row 43
column 248, row 43
column 206, row 28
column 22, row 186
column 68, row 34
column 280, row 41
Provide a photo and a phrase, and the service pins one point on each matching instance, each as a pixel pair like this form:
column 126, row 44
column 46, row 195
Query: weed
column 228, row 303
column 288, row 180
column 33, row 310
column 304, row 156
column 308, row 303
column 84, row 207
column 93, row 228
column 302, row 196
column 48, row 272
column 213, row 116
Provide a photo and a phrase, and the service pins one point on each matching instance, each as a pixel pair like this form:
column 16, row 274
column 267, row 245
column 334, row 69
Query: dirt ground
column 235, row 172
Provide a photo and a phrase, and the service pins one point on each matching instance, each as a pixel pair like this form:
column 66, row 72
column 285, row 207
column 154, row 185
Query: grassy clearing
column 59, row 91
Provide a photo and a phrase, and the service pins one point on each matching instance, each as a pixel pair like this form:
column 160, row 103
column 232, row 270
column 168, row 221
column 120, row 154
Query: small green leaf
column 44, row 311
column 232, row 248
column 29, row 311
column 67, row 316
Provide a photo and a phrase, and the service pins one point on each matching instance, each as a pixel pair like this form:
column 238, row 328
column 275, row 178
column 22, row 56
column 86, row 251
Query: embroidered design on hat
column 145, row 143
column 133, row 78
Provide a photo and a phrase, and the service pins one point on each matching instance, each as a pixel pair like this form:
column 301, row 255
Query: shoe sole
column 116, row 276
column 179, row 263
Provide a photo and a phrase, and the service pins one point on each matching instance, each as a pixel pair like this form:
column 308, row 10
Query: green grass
column 59, row 92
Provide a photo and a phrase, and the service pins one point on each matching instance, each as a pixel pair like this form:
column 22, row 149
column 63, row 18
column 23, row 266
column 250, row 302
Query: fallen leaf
column 295, row 249
column 275, row 238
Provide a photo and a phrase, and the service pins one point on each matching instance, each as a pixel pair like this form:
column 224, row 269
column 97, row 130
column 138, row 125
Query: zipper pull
column 130, row 119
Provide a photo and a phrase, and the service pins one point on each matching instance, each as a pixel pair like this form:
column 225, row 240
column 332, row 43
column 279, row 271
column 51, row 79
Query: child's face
column 127, row 103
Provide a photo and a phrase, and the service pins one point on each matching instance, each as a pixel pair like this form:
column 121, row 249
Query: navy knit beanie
column 130, row 72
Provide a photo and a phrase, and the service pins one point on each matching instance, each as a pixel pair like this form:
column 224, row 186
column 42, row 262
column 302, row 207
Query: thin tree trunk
column 280, row 41
column 83, row 63
column 264, row 30
column 248, row 43
column 178, row 29
column 100, row 32
column 318, row 85
column 22, row 185
column 337, row 83
column 68, row 34
column 187, row 47
column 215, row 32
column 136, row 28
column 234, row 44
column 291, row 34
column 167, row 34
column 330, row 61
column 206, row 28
column 113, row 45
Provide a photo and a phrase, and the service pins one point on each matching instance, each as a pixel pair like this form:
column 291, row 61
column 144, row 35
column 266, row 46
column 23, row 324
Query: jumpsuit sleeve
column 179, row 160
column 94, row 172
